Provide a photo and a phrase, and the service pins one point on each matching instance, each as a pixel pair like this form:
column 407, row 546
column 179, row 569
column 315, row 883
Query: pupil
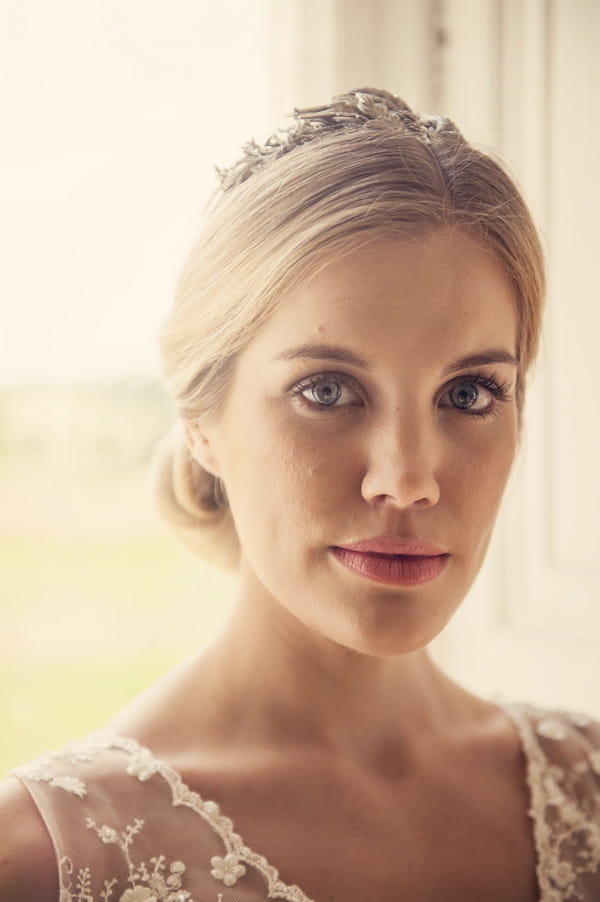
column 327, row 392
column 465, row 396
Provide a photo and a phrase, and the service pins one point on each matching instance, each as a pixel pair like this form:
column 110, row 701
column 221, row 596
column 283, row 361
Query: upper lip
column 390, row 545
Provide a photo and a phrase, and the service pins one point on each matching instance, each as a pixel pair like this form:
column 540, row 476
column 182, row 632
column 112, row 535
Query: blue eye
column 476, row 395
column 325, row 391
column 465, row 395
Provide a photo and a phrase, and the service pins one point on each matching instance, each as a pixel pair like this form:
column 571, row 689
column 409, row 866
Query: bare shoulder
column 28, row 867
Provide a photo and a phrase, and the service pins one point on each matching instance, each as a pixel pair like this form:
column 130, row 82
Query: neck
column 281, row 684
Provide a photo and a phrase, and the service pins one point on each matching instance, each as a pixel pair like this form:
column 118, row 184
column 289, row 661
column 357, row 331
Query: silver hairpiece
column 360, row 108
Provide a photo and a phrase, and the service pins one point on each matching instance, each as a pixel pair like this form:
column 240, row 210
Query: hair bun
column 188, row 498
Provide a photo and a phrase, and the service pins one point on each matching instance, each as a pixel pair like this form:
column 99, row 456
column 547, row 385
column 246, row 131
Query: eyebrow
column 345, row 355
column 481, row 358
column 325, row 352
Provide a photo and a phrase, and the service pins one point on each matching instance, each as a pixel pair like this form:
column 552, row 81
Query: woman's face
column 377, row 403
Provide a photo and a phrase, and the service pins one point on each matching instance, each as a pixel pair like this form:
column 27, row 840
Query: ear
column 201, row 443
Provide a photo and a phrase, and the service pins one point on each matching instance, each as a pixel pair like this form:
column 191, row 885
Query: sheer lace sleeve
column 563, row 772
column 127, row 829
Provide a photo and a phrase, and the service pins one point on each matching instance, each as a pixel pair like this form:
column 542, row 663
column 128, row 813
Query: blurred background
column 114, row 115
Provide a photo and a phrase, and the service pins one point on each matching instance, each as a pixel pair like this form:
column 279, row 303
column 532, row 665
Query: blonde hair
column 363, row 166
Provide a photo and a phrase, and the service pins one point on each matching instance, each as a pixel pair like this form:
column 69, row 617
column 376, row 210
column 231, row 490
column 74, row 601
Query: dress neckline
column 143, row 764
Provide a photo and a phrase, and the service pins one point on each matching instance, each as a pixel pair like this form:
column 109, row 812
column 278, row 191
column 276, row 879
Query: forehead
column 418, row 300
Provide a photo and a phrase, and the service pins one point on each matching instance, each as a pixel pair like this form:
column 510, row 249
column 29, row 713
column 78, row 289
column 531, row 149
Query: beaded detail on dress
column 126, row 828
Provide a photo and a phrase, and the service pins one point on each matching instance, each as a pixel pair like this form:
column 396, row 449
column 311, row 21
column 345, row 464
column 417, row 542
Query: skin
column 320, row 686
column 404, row 463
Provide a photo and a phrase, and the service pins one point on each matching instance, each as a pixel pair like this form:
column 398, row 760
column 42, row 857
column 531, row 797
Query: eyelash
column 500, row 391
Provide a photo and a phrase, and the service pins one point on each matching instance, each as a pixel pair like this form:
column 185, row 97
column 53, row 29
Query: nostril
column 404, row 490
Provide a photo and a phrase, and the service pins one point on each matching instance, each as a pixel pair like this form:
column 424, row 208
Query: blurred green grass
column 97, row 600
column 89, row 621
column 48, row 704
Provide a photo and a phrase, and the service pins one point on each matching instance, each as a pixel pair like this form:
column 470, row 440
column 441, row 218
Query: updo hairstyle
column 363, row 167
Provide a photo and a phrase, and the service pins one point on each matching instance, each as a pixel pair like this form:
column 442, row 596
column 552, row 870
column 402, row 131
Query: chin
column 379, row 638
column 381, row 621
column 385, row 647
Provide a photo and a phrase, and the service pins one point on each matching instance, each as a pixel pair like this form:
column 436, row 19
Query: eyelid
column 346, row 378
column 485, row 379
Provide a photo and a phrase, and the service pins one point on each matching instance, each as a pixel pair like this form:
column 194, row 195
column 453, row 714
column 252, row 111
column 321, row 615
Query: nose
column 403, row 461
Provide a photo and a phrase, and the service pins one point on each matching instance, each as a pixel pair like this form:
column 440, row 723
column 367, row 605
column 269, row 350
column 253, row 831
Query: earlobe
column 201, row 447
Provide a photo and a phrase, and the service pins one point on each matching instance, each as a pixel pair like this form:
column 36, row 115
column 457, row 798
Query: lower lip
column 392, row 569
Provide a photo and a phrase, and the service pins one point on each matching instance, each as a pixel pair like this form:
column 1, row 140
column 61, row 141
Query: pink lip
column 388, row 561
column 385, row 545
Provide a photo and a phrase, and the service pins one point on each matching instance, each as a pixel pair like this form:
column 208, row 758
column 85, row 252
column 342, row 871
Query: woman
column 348, row 350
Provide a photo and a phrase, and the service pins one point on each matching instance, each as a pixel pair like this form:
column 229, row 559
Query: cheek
column 279, row 474
column 485, row 470
column 321, row 459
column 307, row 475
column 312, row 474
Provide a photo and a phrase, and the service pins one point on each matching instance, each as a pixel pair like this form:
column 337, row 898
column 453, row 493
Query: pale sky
column 114, row 114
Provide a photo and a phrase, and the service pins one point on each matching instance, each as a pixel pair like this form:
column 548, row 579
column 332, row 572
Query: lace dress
column 126, row 828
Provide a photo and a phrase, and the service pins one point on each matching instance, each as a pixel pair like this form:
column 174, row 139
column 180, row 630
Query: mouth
column 398, row 569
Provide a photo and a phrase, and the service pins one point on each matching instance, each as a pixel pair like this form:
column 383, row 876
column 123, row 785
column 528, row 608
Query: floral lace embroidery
column 227, row 869
column 148, row 884
column 151, row 886
column 566, row 819
column 41, row 770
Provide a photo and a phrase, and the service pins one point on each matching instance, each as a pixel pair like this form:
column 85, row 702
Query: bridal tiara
column 363, row 108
